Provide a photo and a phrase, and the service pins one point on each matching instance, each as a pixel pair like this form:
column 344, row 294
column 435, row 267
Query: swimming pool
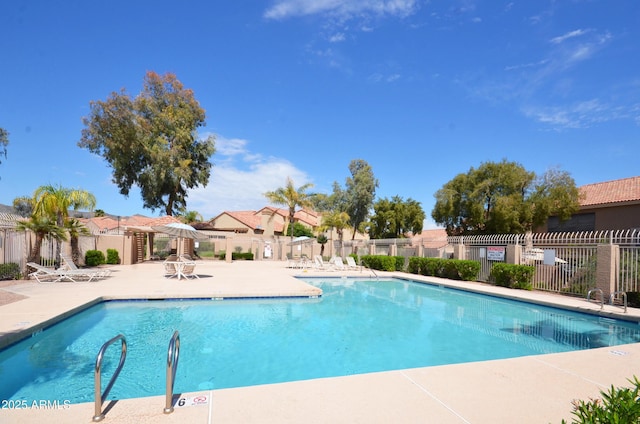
column 357, row 326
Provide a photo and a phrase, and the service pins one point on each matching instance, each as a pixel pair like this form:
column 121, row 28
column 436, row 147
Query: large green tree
column 151, row 141
column 503, row 197
column 292, row 198
column 360, row 192
column 396, row 218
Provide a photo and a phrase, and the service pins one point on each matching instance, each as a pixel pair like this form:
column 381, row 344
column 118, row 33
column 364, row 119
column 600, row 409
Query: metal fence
column 573, row 269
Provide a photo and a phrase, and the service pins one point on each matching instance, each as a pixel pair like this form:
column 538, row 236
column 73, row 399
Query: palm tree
column 337, row 220
column 75, row 229
column 43, row 228
column 190, row 216
column 55, row 202
column 292, row 198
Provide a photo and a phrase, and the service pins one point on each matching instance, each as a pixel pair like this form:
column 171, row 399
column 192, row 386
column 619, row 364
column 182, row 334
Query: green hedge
column 242, row 256
column 383, row 262
column 94, row 258
column 512, row 276
column 453, row 269
column 10, row 271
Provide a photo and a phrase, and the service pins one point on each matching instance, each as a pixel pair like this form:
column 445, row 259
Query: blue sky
column 421, row 90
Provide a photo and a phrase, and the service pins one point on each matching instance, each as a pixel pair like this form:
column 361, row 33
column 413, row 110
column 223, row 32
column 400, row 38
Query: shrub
column 455, row 269
column 383, row 262
column 242, row 256
column 9, row 271
column 512, row 276
column 414, row 265
column 112, row 257
column 94, row 258
column 468, row 270
column 618, row 405
column 633, row 299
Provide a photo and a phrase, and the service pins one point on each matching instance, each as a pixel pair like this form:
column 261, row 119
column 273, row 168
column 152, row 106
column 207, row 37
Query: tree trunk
column 75, row 250
column 34, row 256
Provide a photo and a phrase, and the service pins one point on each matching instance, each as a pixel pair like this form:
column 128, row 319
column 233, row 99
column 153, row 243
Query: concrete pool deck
column 533, row 389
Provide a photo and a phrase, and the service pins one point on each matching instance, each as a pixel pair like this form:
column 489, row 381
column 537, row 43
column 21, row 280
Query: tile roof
column 617, row 191
column 110, row 222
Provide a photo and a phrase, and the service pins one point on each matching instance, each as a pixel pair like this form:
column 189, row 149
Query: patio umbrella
column 181, row 231
column 178, row 229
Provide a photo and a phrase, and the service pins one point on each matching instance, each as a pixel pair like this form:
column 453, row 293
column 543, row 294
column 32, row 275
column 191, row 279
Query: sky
column 420, row 90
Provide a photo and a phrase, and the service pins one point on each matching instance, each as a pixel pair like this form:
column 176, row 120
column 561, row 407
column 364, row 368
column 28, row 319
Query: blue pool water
column 357, row 326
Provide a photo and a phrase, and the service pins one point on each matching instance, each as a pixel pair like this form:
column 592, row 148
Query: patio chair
column 188, row 270
column 170, row 266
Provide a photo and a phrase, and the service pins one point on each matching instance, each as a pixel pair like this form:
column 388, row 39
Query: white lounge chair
column 67, row 263
column 318, row 263
column 351, row 263
column 44, row 274
column 338, row 263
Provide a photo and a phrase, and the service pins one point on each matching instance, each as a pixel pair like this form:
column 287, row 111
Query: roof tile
column 624, row 190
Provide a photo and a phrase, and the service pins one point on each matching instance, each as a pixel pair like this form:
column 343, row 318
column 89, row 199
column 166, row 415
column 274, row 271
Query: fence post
column 459, row 251
column 608, row 257
column 513, row 254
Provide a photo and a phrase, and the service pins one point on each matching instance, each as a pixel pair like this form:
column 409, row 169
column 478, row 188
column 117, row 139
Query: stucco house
column 610, row 205
column 267, row 221
column 270, row 221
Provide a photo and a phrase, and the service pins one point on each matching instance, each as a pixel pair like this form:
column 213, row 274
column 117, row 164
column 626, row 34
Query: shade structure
column 179, row 229
column 300, row 240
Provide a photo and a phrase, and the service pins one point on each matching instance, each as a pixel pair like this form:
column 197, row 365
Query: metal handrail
column 173, row 355
column 597, row 290
column 624, row 297
column 101, row 397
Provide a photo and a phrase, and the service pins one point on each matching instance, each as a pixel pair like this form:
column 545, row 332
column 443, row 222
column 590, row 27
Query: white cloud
column 568, row 35
column 240, row 178
column 578, row 115
column 342, row 9
column 336, row 38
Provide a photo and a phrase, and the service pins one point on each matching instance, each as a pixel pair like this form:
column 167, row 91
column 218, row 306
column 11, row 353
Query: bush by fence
column 383, row 262
column 513, row 276
column 10, row 271
column 248, row 256
column 112, row 257
column 454, row 269
column 94, row 258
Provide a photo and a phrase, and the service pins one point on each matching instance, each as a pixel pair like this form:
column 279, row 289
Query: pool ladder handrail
column 373, row 272
column 173, row 354
column 101, row 397
column 597, row 290
column 624, row 297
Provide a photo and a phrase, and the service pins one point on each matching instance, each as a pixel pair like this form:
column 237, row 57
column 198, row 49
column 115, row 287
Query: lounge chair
column 351, row 263
column 44, row 274
column 67, row 263
column 318, row 263
column 338, row 263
